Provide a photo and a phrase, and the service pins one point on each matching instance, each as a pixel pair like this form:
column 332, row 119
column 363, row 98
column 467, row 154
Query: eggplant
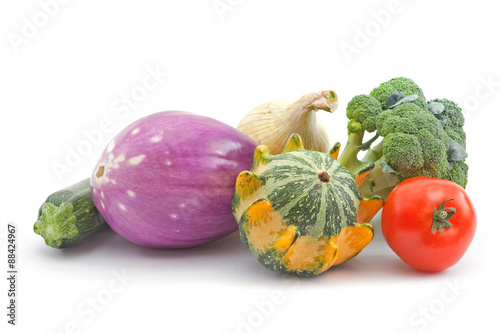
column 167, row 180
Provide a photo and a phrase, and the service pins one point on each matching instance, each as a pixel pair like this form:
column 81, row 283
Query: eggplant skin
column 167, row 180
column 69, row 215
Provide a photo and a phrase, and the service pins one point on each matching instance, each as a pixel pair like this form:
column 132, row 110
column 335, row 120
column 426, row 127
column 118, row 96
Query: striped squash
column 301, row 211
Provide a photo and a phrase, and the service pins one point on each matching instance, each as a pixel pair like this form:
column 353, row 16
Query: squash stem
column 68, row 216
column 56, row 223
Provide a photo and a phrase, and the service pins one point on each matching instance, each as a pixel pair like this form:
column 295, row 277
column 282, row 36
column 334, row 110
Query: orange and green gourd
column 300, row 211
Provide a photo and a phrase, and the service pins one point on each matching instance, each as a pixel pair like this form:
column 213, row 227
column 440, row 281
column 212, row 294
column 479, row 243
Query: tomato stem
column 441, row 216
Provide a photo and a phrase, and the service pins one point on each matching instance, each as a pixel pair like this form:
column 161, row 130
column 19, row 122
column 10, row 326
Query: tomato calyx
column 441, row 215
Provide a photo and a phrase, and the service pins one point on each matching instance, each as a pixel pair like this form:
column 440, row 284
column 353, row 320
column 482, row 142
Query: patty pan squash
column 300, row 211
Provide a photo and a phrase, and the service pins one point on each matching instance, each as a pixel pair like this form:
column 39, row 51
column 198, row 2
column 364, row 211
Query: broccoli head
column 419, row 138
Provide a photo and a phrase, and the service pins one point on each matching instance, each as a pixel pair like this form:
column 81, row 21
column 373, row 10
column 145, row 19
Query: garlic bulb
column 272, row 123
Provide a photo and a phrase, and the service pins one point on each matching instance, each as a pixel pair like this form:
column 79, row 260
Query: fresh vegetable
column 272, row 123
column 419, row 138
column 167, row 179
column 68, row 216
column 301, row 211
column 429, row 223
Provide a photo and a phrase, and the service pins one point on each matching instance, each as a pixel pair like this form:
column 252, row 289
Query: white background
column 66, row 68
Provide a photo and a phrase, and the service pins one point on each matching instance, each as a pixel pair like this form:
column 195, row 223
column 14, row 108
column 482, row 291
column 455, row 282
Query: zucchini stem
column 56, row 223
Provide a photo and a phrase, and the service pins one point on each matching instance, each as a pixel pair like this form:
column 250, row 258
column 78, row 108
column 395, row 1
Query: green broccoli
column 363, row 111
column 418, row 138
column 402, row 85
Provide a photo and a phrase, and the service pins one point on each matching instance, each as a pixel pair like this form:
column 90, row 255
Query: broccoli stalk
column 349, row 155
column 379, row 181
column 419, row 138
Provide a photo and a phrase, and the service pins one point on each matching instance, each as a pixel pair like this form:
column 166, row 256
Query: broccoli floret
column 407, row 118
column 403, row 152
column 428, row 137
column 419, row 138
column 399, row 84
column 458, row 173
column 452, row 120
column 363, row 111
column 435, row 149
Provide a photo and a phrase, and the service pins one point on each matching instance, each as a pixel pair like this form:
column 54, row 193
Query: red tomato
column 408, row 222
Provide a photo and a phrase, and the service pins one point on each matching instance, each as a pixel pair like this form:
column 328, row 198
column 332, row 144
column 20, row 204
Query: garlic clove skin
column 273, row 123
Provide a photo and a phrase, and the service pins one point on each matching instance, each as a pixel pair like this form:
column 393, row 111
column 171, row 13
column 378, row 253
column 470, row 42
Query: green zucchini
column 68, row 216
